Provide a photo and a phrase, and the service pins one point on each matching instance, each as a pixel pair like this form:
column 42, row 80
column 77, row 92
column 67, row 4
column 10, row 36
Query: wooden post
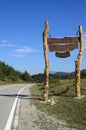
column 78, row 63
column 46, row 71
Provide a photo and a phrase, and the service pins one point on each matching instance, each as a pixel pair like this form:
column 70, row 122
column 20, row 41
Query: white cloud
column 6, row 45
column 25, row 50
column 4, row 41
column 18, row 55
column 16, row 49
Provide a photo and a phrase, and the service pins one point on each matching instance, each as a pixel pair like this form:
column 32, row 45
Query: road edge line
column 11, row 115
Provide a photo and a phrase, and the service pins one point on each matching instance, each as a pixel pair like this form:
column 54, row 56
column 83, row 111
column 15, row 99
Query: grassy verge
column 67, row 108
column 13, row 82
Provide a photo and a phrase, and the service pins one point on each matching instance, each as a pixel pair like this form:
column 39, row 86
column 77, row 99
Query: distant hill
column 69, row 74
column 60, row 73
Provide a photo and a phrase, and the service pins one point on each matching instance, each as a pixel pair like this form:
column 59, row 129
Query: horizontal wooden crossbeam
column 63, row 40
column 63, row 47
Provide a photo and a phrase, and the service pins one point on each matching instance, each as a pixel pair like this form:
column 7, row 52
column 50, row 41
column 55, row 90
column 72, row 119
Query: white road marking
column 10, row 118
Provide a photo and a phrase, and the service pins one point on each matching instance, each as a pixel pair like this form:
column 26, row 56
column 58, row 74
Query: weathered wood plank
column 62, row 55
column 63, row 40
column 65, row 47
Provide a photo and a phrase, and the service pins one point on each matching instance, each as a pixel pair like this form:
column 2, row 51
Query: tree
column 25, row 76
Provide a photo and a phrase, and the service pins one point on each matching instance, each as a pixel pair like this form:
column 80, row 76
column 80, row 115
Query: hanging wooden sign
column 63, row 54
column 63, row 47
column 63, row 40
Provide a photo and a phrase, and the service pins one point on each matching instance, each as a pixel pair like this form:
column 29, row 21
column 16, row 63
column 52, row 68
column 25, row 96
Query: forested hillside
column 8, row 73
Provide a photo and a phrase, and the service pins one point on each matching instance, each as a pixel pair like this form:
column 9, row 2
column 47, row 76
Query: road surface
column 8, row 94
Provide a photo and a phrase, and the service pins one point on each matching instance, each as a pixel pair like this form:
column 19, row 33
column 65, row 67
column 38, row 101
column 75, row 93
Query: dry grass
column 67, row 108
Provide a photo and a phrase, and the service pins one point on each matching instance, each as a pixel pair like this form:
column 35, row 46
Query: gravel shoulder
column 28, row 117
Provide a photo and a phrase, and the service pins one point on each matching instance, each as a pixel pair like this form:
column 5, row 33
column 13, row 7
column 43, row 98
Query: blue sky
column 22, row 25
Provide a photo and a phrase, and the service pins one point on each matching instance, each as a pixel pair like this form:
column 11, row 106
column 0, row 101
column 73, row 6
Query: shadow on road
column 21, row 96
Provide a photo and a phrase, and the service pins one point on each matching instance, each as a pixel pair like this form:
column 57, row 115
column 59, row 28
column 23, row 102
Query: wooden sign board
column 65, row 47
column 63, row 40
column 62, row 55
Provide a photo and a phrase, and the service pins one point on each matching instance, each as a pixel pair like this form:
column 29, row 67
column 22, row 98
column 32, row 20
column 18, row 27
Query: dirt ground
column 28, row 117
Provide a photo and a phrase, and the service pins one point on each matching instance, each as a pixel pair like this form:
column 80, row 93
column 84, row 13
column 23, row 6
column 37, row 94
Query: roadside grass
column 11, row 82
column 67, row 107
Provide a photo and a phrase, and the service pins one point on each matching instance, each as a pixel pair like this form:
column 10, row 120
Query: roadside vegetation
column 66, row 107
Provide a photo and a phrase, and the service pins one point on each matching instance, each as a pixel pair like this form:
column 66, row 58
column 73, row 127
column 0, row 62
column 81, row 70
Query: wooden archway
column 62, row 48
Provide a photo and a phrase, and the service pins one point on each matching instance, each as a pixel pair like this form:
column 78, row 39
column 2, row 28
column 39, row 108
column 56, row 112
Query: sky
column 21, row 27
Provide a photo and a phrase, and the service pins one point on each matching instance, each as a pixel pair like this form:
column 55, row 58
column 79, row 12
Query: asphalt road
column 8, row 94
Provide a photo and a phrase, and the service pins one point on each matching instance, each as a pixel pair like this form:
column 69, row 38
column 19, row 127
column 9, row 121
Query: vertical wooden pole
column 46, row 71
column 78, row 63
